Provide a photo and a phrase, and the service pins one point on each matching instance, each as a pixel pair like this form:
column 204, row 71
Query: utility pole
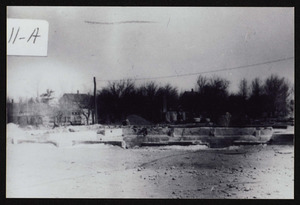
column 95, row 98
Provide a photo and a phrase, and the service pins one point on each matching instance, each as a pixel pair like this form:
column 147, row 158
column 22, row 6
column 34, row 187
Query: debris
column 126, row 122
column 137, row 120
column 234, row 169
column 230, row 185
column 143, row 131
column 102, row 132
column 284, row 152
column 152, row 177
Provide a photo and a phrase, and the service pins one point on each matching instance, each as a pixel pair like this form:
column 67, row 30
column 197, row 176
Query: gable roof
column 76, row 98
column 189, row 93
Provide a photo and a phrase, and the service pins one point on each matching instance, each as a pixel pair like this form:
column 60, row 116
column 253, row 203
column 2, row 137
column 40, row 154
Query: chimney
column 77, row 91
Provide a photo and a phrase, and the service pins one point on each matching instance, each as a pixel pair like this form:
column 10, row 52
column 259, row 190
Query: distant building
column 76, row 108
column 30, row 113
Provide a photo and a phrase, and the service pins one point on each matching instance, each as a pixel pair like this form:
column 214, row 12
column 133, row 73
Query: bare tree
column 256, row 87
column 117, row 97
column 243, row 89
column 212, row 96
column 149, row 89
column 257, row 98
column 47, row 96
column 85, row 104
column 169, row 90
column 121, row 88
column 219, row 84
column 291, row 100
column 202, row 81
column 277, row 90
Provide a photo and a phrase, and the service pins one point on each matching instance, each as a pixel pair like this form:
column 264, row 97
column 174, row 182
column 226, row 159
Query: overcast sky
column 114, row 43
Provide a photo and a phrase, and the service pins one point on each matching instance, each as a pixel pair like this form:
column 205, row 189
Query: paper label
column 27, row 37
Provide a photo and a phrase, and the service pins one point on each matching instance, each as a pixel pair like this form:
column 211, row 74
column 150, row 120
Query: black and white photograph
column 150, row 102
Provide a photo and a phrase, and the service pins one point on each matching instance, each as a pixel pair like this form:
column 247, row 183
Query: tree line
column 211, row 99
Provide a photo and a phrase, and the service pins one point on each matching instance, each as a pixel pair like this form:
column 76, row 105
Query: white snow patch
column 14, row 132
column 67, row 138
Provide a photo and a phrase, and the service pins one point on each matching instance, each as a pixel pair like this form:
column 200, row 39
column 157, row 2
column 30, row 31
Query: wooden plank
column 241, row 142
column 117, row 143
column 181, row 143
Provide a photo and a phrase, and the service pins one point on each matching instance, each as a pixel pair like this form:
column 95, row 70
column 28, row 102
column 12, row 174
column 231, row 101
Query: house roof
column 189, row 93
column 77, row 98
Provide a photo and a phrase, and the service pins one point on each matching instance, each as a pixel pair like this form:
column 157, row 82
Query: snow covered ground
column 38, row 170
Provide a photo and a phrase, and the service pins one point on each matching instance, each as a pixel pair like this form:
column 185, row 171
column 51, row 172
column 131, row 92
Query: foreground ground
column 105, row 171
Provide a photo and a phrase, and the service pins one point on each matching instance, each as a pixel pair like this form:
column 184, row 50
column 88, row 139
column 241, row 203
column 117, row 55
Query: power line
column 205, row 72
